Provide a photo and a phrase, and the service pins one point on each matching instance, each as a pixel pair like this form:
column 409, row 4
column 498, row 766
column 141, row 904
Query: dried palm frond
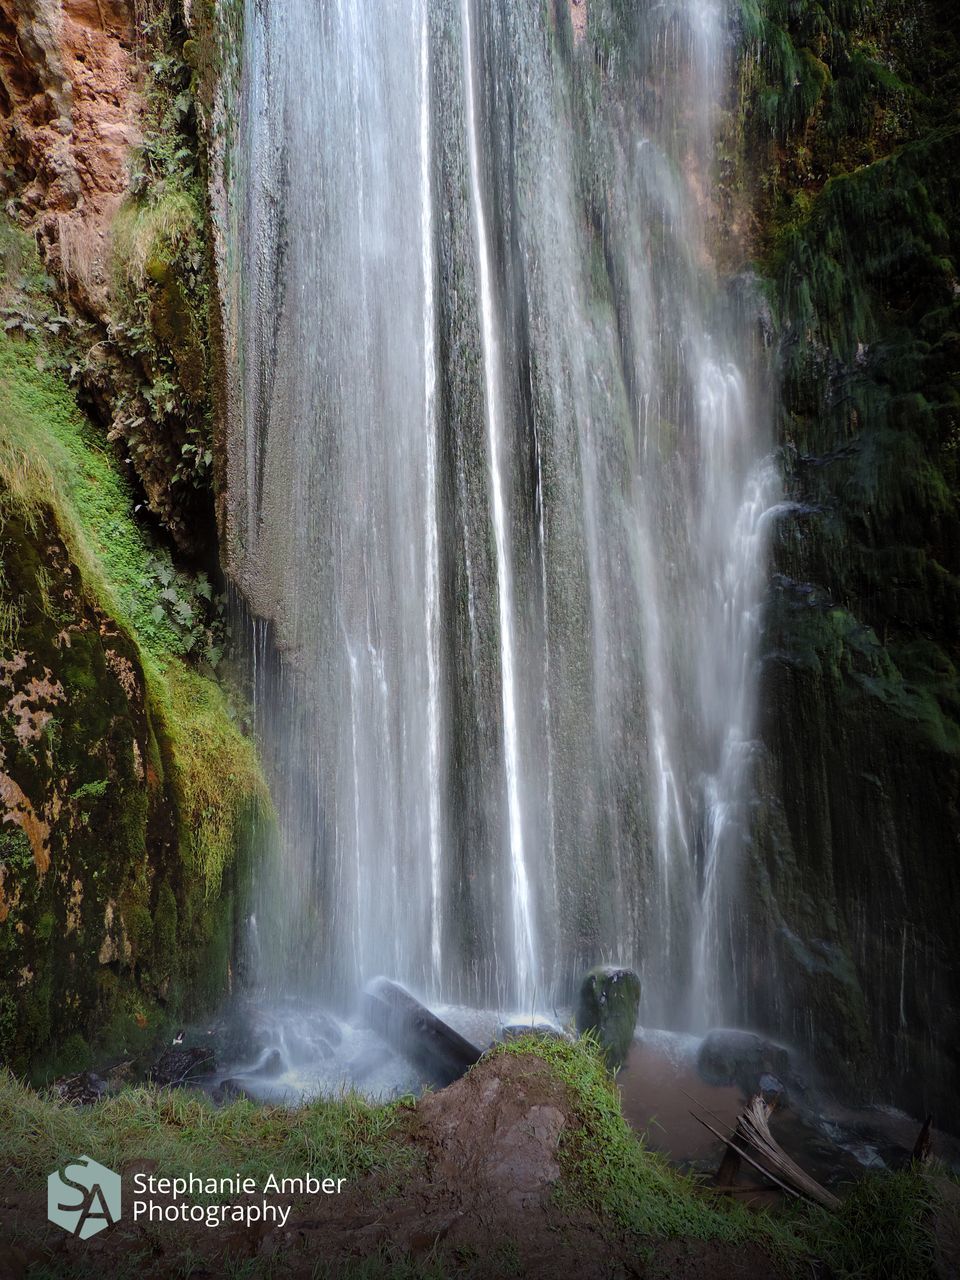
column 752, row 1134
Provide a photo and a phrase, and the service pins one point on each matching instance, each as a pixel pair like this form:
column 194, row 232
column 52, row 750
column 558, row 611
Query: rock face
column 68, row 74
column 106, row 822
column 854, row 932
column 81, row 789
column 98, row 162
column 607, row 1005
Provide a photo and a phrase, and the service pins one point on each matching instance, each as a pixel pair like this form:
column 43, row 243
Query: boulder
column 81, row 1090
column 271, row 1066
column 607, row 1005
column 179, row 1066
column 441, row 1053
column 230, row 1090
column 729, row 1056
column 545, row 1030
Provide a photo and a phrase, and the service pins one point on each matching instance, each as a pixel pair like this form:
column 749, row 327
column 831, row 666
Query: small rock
column 547, row 1030
column 608, row 1005
column 272, row 1066
column 230, row 1091
column 771, row 1090
column 326, row 1027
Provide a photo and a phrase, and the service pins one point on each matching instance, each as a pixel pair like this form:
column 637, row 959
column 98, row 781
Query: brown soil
column 478, row 1194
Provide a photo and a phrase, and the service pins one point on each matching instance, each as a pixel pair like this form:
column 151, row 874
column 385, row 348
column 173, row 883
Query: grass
column 880, row 1230
column 148, row 234
column 50, row 455
column 880, row 1233
column 182, row 1132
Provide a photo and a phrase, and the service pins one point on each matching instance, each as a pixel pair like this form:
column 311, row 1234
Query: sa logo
column 84, row 1199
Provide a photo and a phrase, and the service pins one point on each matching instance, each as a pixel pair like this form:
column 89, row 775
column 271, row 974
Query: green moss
column 216, row 773
column 145, row 751
column 165, row 919
column 50, row 453
column 74, row 1055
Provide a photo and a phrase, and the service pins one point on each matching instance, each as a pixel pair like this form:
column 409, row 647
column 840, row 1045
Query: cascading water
column 499, row 483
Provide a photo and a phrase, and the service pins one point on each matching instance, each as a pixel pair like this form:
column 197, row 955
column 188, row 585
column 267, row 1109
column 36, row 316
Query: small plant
column 188, row 605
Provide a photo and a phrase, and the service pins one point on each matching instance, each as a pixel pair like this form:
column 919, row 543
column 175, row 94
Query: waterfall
column 523, row 936
column 500, row 483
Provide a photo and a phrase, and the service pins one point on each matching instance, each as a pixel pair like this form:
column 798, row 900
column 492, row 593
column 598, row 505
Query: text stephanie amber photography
column 244, row 1199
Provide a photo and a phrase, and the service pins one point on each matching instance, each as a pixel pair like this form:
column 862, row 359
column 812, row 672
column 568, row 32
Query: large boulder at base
column 441, row 1053
column 607, row 1005
column 729, row 1056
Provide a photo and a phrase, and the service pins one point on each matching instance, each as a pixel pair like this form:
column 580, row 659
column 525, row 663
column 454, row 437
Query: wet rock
column 272, row 1066
column 772, row 1090
column 607, row 1005
column 182, row 1066
column 325, row 1026
column 80, row 1090
column 230, row 1090
column 547, row 1030
column 729, row 1056
column 441, row 1053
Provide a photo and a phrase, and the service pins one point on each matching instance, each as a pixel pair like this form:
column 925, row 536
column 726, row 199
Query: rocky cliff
column 130, row 795
column 846, row 128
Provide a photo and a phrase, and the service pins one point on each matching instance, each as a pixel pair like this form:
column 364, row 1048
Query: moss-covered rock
column 130, row 798
column 607, row 1006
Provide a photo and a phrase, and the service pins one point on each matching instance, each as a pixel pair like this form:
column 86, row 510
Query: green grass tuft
column 182, row 1132
column 880, row 1232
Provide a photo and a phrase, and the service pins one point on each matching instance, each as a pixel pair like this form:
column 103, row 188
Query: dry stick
column 740, row 1152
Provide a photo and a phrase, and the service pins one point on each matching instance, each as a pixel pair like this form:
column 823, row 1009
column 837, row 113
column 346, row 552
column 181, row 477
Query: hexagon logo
column 84, row 1198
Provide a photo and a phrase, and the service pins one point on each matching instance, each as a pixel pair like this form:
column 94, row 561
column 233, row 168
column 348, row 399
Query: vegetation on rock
column 131, row 796
column 846, row 127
